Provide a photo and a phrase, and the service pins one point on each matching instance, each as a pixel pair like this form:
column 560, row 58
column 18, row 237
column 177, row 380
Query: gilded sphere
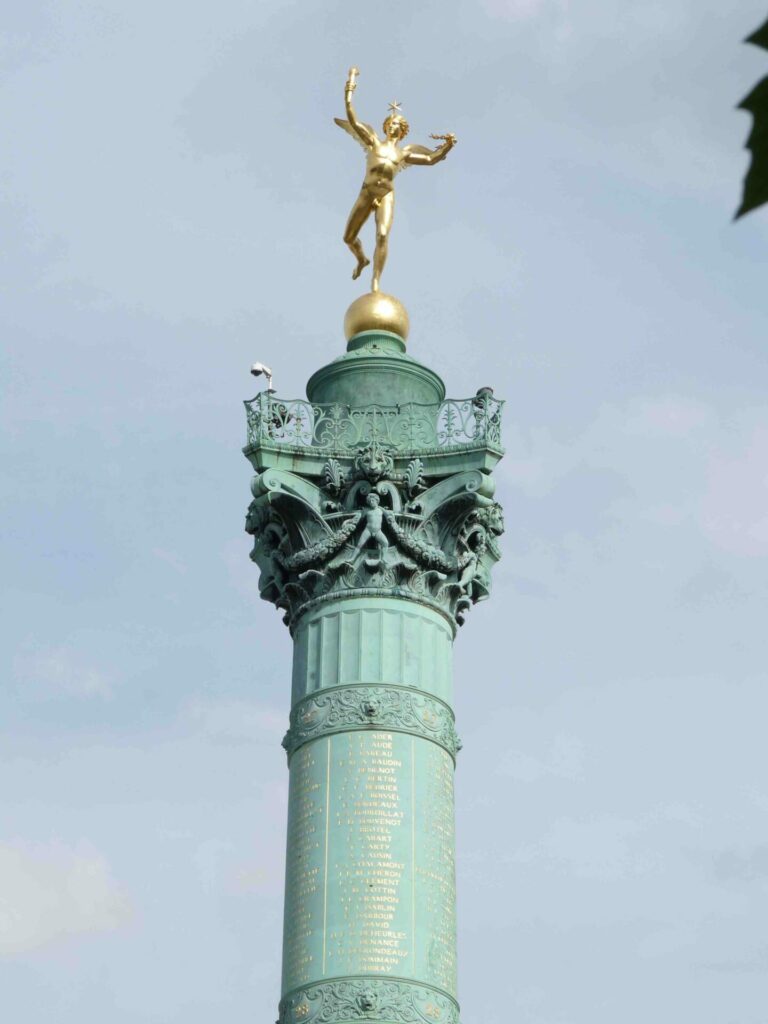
column 376, row 311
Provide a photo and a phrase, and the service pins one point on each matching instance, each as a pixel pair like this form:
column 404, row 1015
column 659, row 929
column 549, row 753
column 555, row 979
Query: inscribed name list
column 370, row 883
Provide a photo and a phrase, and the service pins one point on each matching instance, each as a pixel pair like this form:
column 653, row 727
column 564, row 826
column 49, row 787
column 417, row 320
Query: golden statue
column 384, row 159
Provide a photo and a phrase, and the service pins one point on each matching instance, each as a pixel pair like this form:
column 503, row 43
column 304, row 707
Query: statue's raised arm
column 421, row 156
column 385, row 159
column 363, row 131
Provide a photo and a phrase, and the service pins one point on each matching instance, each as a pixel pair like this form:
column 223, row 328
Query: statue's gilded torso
column 384, row 161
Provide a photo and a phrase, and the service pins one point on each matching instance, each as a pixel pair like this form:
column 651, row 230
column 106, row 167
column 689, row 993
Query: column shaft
column 370, row 921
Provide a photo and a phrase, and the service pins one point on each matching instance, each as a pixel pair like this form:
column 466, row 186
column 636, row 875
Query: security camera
column 258, row 368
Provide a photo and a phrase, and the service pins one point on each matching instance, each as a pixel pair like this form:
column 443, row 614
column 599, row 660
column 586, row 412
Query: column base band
column 396, row 708
column 394, row 1001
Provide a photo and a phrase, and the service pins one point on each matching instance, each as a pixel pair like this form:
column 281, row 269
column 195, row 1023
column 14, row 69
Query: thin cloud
column 236, row 720
column 51, row 891
column 735, row 507
column 563, row 760
column 523, row 10
column 60, row 671
column 743, row 865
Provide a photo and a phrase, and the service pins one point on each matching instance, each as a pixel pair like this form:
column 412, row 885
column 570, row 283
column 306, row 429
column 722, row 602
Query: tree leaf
column 756, row 103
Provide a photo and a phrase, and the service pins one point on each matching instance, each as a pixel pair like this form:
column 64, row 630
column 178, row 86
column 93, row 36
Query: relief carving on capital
column 363, row 525
column 343, row 708
column 368, row 999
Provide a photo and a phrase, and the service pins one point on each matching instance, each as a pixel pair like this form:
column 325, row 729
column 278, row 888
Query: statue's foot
column 361, row 265
column 342, row 563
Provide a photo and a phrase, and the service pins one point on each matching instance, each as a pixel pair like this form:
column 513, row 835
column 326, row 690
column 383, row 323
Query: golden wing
column 351, row 131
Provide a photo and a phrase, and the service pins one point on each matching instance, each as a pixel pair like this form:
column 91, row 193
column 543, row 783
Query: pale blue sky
column 173, row 196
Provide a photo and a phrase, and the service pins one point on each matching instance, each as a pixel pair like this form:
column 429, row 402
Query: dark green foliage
column 756, row 181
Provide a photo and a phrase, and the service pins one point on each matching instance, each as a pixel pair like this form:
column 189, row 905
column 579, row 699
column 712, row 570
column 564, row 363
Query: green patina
column 375, row 530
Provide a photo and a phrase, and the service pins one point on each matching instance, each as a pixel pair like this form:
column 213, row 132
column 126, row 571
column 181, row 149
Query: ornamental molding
column 368, row 999
column 361, row 525
column 392, row 708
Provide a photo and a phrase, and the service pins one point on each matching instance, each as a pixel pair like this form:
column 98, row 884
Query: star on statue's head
column 394, row 108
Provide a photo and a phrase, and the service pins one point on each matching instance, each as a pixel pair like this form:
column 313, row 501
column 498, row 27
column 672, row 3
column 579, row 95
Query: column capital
column 383, row 516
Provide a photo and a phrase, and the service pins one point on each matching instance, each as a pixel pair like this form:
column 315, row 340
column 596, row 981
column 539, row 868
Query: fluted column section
column 370, row 925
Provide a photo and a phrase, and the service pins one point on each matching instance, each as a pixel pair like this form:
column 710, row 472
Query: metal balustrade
column 454, row 423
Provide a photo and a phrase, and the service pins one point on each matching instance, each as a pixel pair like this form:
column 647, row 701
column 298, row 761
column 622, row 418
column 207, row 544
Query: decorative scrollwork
column 454, row 423
column 368, row 999
column 393, row 708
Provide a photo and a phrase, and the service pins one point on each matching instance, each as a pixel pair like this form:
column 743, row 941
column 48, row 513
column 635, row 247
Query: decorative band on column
column 394, row 708
column 368, row 999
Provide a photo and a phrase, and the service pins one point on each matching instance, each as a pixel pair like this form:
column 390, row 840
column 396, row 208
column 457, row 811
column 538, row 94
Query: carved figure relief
column 374, row 518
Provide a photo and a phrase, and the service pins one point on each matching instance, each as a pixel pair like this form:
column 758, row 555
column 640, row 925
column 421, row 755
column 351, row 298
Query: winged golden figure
column 385, row 158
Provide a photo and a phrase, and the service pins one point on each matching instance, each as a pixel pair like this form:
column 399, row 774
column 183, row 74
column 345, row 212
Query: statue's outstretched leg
column 365, row 536
column 384, row 213
column 359, row 215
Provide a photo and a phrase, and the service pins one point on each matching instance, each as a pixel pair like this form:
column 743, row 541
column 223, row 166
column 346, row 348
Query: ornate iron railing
column 454, row 423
